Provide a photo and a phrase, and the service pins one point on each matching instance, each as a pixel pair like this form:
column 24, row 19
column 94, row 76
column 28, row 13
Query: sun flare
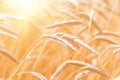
column 25, row 7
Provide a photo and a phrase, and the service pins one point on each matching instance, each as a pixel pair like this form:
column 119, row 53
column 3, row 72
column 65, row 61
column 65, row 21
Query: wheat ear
column 59, row 40
column 78, row 41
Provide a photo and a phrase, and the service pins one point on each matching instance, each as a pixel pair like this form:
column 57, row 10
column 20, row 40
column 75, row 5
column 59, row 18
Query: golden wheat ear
column 79, row 63
column 35, row 74
column 9, row 55
column 59, row 40
column 78, row 41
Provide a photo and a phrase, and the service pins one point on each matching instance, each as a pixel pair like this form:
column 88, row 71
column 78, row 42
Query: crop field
column 59, row 39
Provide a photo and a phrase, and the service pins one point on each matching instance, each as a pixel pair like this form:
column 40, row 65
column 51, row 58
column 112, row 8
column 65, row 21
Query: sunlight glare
column 25, row 7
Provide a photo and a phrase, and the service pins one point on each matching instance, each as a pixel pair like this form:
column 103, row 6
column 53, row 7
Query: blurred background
column 22, row 22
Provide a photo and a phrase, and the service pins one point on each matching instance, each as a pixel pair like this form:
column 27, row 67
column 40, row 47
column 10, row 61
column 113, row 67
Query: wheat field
column 59, row 39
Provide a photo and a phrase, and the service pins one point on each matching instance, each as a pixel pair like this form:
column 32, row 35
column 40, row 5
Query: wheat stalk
column 36, row 74
column 81, row 74
column 6, row 28
column 74, row 72
column 101, row 13
column 8, row 35
column 88, row 17
column 116, row 50
column 74, row 15
column 71, row 22
column 78, row 63
column 107, row 48
column 9, row 55
column 5, row 16
column 110, row 33
column 104, row 38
